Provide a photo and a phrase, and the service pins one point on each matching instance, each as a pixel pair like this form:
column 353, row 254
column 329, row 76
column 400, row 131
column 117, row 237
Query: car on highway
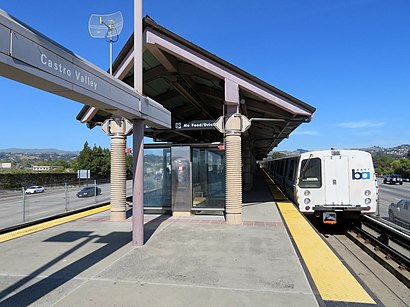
column 400, row 212
column 34, row 189
column 88, row 192
column 393, row 179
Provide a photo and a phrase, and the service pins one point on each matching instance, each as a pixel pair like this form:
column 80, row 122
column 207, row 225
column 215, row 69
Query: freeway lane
column 15, row 210
column 391, row 194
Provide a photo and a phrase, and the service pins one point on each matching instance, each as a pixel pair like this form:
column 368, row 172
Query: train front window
column 310, row 173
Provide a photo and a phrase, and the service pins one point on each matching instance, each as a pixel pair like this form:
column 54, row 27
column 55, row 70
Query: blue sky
column 348, row 58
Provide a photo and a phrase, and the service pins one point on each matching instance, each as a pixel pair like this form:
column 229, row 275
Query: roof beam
column 167, row 44
column 169, row 62
column 185, row 90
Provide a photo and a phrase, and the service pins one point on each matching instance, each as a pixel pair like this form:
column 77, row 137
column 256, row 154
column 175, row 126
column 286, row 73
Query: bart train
column 331, row 185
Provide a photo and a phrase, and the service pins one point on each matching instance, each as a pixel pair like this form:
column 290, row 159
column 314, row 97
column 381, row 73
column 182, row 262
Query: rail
column 378, row 246
column 388, row 230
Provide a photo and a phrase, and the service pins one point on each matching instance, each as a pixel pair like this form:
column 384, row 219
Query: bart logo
column 360, row 175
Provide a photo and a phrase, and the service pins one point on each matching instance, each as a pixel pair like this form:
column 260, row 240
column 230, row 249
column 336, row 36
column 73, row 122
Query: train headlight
column 307, row 201
column 367, row 201
column 367, row 192
column 307, row 193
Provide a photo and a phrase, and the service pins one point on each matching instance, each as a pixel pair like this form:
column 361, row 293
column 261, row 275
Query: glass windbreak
column 157, row 177
column 310, row 173
column 208, row 178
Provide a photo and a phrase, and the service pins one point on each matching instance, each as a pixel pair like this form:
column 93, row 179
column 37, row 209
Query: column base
column 117, row 216
column 181, row 213
column 233, row 219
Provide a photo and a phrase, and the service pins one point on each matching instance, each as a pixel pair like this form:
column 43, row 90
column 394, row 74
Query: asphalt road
column 16, row 208
column 391, row 194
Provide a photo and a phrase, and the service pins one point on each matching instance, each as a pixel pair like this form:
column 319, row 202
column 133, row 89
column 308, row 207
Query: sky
column 350, row 59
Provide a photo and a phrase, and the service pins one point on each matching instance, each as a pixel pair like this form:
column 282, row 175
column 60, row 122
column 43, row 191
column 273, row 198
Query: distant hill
column 37, row 151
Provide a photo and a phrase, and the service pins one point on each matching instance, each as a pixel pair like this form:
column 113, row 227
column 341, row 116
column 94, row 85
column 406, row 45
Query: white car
column 400, row 212
column 34, row 189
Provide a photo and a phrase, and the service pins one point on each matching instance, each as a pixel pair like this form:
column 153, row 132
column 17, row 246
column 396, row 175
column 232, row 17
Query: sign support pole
column 138, row 136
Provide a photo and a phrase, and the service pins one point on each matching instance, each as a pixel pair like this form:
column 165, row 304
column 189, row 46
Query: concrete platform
column 186, row 261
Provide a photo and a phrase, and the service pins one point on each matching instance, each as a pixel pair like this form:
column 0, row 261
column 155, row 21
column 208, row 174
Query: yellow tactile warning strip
column 30, row 229
column 332, row 279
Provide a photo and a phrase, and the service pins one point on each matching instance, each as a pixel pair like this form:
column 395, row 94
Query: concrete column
column 118, row 170
column 138, row 191
column 233, row 154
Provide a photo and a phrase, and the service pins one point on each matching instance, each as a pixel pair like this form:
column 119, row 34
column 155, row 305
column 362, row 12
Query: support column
column 233, row 154
column 117, row 129
column 233, row 171
column 138, row 136
column 138, row 184
column 118, row 177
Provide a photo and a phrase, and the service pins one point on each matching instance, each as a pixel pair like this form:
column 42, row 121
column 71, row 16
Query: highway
column 391, row 194
column 16, row 208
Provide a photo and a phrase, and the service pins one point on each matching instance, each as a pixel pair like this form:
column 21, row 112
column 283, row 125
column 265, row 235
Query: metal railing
column 17, row 207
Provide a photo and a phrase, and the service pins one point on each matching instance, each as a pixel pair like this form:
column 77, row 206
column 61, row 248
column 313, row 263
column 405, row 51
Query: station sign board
column 204, row 124
column 83, row 174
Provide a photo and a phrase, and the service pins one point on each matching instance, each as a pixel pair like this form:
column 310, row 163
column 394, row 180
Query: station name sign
column 64, row 68
column 205, row 124
column 68, row 70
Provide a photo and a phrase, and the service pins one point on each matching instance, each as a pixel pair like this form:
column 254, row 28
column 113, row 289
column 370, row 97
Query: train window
column 281, row 167
column 310, row 173
column 291, row 169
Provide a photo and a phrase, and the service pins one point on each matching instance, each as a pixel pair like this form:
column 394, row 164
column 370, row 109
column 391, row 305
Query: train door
column 336, row 180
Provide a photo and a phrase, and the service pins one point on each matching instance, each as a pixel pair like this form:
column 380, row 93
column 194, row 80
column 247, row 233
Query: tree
column 84, row 158
column 382, row 164
column 402, row 167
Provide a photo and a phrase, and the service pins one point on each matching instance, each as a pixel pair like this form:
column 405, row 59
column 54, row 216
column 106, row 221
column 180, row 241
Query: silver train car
column 331, row 185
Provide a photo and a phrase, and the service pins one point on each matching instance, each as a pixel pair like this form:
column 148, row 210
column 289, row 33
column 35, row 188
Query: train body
column 332, row 185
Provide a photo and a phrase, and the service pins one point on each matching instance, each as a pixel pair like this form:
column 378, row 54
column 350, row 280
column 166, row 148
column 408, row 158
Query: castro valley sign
column 63, row 70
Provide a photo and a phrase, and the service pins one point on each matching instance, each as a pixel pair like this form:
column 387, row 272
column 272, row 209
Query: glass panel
column 291, row 169
column 157, row 177
column 208, row 178
column 310, row 173
column 181, row 178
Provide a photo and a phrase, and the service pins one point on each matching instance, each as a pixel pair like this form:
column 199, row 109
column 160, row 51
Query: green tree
column 402, row 167
column 382, row 164
column 97, row 160
column 101, row 163
column 129, row 166
column 84, row 158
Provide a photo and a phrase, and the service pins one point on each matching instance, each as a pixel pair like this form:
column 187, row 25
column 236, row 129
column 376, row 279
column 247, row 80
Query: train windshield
column 310, row 173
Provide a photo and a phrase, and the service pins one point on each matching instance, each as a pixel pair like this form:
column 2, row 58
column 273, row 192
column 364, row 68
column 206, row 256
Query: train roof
column 327, row 152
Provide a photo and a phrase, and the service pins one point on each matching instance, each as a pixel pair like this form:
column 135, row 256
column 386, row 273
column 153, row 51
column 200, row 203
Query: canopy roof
column 192, row 82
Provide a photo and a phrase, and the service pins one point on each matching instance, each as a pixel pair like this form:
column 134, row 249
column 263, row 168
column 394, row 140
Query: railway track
column 386, row 244
column 379, row 255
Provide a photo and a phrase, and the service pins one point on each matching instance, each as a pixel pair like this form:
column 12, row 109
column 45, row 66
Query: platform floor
column 186, row 261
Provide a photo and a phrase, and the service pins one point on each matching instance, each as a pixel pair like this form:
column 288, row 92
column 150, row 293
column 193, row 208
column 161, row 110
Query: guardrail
column 388, row 231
